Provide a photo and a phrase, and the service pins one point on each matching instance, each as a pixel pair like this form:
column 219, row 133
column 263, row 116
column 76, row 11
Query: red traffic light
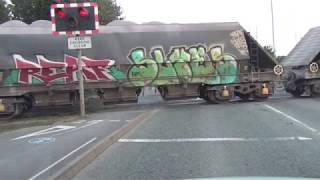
column 83, row 12
column 61, row 13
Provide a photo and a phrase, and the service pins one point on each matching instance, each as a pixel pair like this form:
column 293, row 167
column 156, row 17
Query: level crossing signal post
column 78, row 21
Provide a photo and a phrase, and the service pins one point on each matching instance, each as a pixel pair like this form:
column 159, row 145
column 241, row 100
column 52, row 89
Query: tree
column 4, row 13
column 109, row 10
column 32, row 10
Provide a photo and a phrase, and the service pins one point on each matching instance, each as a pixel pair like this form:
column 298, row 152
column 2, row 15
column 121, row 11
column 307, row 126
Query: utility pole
column 81, row 86
column 273, row 41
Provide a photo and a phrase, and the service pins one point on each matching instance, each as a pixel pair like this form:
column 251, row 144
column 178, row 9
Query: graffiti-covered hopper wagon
column 214, row 61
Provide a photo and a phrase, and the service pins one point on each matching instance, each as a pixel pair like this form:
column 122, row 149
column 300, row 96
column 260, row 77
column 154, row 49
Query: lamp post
column 272, row 18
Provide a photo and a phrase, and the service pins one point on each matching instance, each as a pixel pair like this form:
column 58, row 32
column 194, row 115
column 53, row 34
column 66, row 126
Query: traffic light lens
column 83, row 12
column 61, row 13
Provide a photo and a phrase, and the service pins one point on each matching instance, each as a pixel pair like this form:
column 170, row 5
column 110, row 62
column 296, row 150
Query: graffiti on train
column 48, row 71
column 195, row 64
column 182, row 64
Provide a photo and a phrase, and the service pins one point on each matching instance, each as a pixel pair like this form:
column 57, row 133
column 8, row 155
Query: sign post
column 79, row 43
column 76, row 20
column 81, row 85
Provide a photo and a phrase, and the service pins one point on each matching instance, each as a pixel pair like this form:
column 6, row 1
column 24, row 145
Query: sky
column 292, row 18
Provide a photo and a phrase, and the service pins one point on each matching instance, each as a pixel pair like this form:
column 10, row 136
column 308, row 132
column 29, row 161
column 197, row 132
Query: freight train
column 213, row 61
column 302, row 76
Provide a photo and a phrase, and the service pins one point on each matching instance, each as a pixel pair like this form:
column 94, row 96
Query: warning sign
column 79, row 42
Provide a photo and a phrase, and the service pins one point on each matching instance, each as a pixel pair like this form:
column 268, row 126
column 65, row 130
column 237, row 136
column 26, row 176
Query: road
column 38, row 147
column 182, row 139
column 39, row 151
column 278, row 137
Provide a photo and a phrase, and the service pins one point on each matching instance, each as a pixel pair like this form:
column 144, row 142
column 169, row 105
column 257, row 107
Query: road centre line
column 296, row 121
column 215, row 140
column 63, row 158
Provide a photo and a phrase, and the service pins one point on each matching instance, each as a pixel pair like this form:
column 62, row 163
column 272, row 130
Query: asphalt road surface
column 183, row 139
column 278, row 137
column 38, row 152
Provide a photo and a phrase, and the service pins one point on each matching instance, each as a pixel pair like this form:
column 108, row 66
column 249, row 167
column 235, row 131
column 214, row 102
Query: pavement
column 278, row 137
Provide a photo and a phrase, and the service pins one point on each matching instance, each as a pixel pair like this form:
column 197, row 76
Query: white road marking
column 184, row 103
column 46, row 131
column 128, row 120
column 63, row 158
column 114, row 120
column 79, row 122
column 215, row 140
column 291, row 118
column 89, row 123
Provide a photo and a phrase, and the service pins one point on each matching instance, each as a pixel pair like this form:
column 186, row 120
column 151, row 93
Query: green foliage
column 4, row 13
column 32, row 10
column 109, row 11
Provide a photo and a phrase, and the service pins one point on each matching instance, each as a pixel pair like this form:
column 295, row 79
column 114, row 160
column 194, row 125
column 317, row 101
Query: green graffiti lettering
column 227, row 69
column 179, row 55
column 197, row 54
column 144, row 71
column 12, row 78
column 193, row 65
column 216, row 53
column 167, row 73
column 158, row 55
column 116, row 73
column 180, row 59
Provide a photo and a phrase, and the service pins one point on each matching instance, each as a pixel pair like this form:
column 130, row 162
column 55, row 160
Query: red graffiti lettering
column 48, row 71
column 98, row 67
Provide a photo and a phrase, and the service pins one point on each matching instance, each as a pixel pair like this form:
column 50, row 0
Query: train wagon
column 213, row 61
column 302, row 76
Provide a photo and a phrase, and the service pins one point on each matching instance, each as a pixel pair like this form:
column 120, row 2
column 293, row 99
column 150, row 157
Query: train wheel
column 245, row 97
column 18, row 109
column 210, row 97
column 163, row 92
column 261, row 98
column 297, row 92
column 257, row 96
column 215, row 97
column 315, row 90
column 205, row 97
